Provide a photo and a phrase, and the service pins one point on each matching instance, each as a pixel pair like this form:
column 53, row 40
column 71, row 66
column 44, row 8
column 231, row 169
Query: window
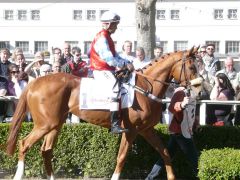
column 218, row 14
column 164, row 45
column 35, row 15
column 232, row 14
column 77, row 14
column 175, row 14
column 180, row 45
column 24, row 45
column 8, row 14
column 91, row 15
column 216, row 43
column 160, row 15
column 102, row 11
column 232, row 47
column 4, row 44
column 87, row 45
column 22, row 15
column 72, row 43
column 40, row 46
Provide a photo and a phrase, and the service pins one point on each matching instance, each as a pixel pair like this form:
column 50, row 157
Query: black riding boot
column 115, row 128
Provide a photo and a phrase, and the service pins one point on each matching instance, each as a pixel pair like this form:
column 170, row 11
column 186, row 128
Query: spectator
column 56, row 67
column 158, row 52
column 76, row 66
column 20, row 62
column 127, row 51
column 45, row 69
column 212, row 64
column 229, row 70
column 223, row 91
column 56, row 56
column 15, row 87
column 202, row 51
column 140, row 61
column 183, row 109
column 208, row 80
column 66, row 56
column 16, row 52
column 3, row 92
column 4, row 63
column 33, row 68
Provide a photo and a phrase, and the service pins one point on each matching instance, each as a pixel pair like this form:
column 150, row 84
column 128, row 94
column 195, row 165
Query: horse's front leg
column 153, row 139
column 126, row 142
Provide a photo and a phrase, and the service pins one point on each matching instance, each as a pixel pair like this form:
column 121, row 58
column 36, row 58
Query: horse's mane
column 163, row 58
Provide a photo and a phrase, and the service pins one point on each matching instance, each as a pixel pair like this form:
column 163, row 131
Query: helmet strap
column 106, row 26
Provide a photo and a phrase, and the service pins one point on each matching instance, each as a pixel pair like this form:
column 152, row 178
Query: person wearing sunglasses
column 212, row 64
column 14, row 88
column 15, row 85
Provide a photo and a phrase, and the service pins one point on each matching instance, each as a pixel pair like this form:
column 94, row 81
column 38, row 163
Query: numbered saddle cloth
column 94, row 95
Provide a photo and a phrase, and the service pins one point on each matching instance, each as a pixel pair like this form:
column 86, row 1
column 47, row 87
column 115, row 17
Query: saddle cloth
column 94, row 95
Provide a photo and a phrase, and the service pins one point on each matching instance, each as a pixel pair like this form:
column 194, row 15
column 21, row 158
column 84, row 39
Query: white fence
column 202, row 112
column 203, row 106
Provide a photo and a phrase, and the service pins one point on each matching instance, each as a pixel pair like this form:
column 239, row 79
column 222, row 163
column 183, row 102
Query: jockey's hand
column 130, row 67
column 118, row 69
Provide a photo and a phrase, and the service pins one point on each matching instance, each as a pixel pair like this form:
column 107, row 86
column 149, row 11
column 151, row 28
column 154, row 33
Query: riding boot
column 115, row 128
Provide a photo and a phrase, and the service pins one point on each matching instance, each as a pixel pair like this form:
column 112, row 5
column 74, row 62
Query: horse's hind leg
column 47, row 151
column 126, row 142
column 25, row 144
column 153, row 139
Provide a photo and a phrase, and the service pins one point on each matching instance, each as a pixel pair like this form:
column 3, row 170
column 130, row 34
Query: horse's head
column 184, row 71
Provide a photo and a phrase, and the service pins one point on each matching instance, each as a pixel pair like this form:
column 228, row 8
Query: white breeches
column 108, row 80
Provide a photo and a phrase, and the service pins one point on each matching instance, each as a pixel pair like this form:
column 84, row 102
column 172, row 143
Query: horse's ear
column 193, row 50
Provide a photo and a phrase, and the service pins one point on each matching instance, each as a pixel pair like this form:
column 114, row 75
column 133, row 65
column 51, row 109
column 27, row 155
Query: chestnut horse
column 49, row 99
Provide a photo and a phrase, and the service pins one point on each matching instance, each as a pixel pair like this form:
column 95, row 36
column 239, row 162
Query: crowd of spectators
column 218, row 83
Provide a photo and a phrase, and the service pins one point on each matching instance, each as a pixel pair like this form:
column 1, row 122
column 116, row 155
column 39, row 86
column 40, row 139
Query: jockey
column 104, row 62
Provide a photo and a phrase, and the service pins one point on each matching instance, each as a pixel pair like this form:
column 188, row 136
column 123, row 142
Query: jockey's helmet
column 109, row 17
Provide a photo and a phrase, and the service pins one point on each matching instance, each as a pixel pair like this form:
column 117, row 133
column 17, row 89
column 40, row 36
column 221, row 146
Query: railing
column 202, row 112
column 203, row 106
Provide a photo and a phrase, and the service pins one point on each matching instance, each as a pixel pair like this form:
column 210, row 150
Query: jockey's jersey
column 96, row 62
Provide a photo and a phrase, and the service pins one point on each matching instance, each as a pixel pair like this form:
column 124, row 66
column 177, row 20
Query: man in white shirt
column 140, row 61
column 127, row 51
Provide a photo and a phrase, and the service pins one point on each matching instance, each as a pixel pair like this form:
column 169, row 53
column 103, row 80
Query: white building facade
column 179, row 24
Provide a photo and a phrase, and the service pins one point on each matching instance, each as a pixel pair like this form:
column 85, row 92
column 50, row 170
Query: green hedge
column 91, row 151
column 216, row 164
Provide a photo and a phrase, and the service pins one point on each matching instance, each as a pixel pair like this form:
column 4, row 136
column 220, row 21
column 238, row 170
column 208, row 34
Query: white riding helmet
column 109, row 17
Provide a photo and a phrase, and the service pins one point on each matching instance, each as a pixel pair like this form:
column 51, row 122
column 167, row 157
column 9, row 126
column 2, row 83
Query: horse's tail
column 18, row 117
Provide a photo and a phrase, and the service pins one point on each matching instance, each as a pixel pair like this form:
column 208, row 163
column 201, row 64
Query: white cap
column 109, row 17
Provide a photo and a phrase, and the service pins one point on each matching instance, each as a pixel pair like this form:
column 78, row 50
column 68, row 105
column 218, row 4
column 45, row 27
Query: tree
column 145, row 24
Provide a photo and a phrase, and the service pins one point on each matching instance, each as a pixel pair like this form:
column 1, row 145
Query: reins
column 151, row 96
